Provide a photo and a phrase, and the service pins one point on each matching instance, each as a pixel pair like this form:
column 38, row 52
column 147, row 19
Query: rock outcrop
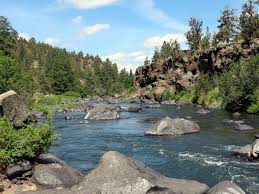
column 103, row 112
column 185, row 69
column 13, row 107
column 174, row 127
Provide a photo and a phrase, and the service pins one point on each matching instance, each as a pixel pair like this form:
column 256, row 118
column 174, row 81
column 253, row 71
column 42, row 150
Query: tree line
column 28, row 66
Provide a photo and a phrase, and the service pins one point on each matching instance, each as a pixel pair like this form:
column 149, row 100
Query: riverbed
column 205, row 156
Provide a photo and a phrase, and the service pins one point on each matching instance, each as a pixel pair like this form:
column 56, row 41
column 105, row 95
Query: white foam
column 201, row 158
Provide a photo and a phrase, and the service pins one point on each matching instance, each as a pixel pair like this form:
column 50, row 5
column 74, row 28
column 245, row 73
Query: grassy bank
column 48, row 104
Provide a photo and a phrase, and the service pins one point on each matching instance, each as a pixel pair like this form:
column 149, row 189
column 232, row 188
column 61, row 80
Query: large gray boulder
column 14, row 108
column 117, row 174
column 169, row 126
column 50, row 172
column 103, row 112
column 226, row 187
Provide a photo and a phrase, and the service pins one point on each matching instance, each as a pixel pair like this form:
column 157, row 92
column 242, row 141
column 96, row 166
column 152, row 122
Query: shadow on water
column 205, row 156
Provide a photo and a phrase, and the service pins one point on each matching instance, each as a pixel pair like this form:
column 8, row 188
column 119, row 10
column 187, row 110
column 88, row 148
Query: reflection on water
column 205, row 156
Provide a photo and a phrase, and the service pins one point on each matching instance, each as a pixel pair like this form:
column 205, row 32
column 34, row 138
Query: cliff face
column 181, row 72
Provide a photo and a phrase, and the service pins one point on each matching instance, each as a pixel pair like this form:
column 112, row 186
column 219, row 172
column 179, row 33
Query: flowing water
column 205, row 156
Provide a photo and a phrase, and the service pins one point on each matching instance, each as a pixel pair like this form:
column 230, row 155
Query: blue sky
column 126, row 31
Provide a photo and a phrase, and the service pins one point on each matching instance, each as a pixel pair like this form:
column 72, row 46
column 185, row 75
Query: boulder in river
column 131, row 108
column 226, row 187
column 103, row 112
column 14, row 108
column 203, row 111
column 245, row 152
column 177, row 126
column 238, row 125
column 54, row 173
column 116, row 173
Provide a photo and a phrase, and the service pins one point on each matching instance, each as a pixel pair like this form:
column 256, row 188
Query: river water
column 205, row 156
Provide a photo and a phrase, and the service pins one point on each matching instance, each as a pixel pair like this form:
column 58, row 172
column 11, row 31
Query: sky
column 125, row 31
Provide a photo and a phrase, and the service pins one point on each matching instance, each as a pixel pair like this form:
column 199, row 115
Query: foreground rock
column 103, row 112
column 14, row 108
column 169, row 126
column 238, row 125
column 226, row 187
column 54, row 173
column 117, row 173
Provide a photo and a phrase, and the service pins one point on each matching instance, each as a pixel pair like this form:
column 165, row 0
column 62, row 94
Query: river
column 205, row 156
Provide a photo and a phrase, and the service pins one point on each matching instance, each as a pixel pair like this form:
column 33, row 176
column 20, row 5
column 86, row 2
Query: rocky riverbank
column 115, row 173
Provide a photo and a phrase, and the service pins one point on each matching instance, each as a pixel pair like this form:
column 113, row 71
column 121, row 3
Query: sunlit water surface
column 205, row 156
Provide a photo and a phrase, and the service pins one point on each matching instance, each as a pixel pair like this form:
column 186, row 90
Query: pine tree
column 166, row 50
column 249, row 22
column 156, row 56
column 228, row 24
column 194, row 35
column 206, row 40
column 146, row 62
column 8, row 37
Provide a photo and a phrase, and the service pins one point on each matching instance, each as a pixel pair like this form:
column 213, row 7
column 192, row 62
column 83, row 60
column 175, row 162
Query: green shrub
column 254, row 107
column 186, row 96
column 27, row 142
column 168, row 95
column 238, row 84
column 212, row 98
column 203, row 85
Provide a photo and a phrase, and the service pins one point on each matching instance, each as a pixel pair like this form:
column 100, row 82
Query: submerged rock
column 117, row 174
column 226, row 187
column 103, row 112
column 14, row 108
column 169, row 126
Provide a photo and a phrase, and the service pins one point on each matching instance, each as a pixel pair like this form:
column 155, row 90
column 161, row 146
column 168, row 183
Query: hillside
column 38, row 67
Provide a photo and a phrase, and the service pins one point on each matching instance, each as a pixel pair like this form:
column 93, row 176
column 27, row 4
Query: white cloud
column 24, row 35
column 89, row 30
column 77, row 20
column 157, row 41
column 128, row 60
column 87, row 4
column 51, row 41
column 149, row 10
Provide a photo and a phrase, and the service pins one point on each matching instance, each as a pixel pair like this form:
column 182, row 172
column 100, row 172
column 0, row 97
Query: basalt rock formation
column 183, row 71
